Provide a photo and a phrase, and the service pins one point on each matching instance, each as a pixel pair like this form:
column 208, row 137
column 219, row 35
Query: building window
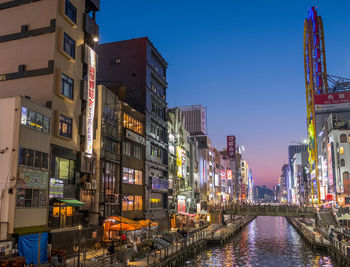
column 71, row 11
column 343, row 138
column 35, row 120
column 67, row 86
column 133, row 150
column 65, row 126
column 132, row 203
column 30, row 158
column 132, row 176
column 69, row 45
column 132, row 124
column 30, row 198
column 342, row 162
column 65, row 170
column 341, row 150
column 346, row 182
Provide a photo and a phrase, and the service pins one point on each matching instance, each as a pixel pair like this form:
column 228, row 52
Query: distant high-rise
column 195, row 119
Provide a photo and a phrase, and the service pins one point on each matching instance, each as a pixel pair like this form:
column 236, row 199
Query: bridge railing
column 269, row 209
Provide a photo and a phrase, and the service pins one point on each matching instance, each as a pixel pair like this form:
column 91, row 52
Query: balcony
column 92, row 5
column 90, row 26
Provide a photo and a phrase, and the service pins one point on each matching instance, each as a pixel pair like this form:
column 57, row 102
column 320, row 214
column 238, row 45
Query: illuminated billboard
column 332, row 101
column 330, row 163
column 90, row 105
column 231, row 147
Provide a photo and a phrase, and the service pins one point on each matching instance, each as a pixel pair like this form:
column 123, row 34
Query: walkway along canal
column 186, row 248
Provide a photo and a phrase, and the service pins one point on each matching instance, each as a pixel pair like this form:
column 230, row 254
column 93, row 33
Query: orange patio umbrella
column 124, row 227
column 146, row 223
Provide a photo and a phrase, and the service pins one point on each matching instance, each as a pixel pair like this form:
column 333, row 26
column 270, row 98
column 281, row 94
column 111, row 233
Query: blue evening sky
column 243, row 59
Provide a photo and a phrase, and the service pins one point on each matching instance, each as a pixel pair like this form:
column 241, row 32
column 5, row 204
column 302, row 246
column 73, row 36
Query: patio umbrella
column 124, row 227
column 147, row 223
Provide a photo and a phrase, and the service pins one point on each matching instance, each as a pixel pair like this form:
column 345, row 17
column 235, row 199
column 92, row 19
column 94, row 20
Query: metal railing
column 168, row 251
column 340, row 247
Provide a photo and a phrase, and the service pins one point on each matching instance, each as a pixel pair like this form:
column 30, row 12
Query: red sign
column 231, row 147
column 332, row 101
column 229, row 175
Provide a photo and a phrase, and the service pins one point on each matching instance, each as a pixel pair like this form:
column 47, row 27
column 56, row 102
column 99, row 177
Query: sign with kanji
column 231, row 147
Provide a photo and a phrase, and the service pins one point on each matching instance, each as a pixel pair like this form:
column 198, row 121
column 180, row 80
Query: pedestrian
column 54, row 260
column 123, row 238
column 111, row 251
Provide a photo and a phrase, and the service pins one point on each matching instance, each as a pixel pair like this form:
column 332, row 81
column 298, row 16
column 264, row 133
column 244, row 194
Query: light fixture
column 95, row 39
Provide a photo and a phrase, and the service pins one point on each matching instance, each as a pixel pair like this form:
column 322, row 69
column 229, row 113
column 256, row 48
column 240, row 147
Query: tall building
column 51, row 61
column 195, row 119
column 183, row 168
column 137, row 71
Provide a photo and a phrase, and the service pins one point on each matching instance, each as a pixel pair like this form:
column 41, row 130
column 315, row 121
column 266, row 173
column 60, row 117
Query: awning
column 31, row 230
column 71, row 202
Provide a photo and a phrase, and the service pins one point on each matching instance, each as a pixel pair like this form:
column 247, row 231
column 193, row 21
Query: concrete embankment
column 315, row 239
column 340, row 251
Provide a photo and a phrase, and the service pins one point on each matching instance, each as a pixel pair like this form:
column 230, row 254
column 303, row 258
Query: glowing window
column 341, row 150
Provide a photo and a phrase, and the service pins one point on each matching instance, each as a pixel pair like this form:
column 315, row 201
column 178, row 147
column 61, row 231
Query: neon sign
column 90, row 107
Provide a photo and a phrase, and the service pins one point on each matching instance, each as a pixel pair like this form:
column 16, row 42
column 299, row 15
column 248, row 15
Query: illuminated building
column 299, row 182
column 132, row 174
column 137, row 70
column 325, row 94
column 183, row 166
column 48, row 55
column 24, row 165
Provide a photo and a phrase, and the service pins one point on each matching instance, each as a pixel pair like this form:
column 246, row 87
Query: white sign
column 135, row 137
column 90, row 106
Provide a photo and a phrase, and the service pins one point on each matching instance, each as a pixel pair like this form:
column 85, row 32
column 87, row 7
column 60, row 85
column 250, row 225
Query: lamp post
column 79, row 227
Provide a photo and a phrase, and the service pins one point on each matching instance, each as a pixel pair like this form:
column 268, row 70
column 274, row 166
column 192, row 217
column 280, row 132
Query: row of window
column 110, row 116
column 132, row 176
column 133, row 150
column 32, row 158
column 158, row 111
column 64, row 169
column 158, row 89
column 132, row 124
column 30, row 198
column 156, row 152
column 158, row 131
column 132, row 203
column 344, row 138
column 110, row 145
column 35, row 120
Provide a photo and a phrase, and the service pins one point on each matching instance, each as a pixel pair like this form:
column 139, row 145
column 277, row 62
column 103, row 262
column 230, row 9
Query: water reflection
column 266, row 241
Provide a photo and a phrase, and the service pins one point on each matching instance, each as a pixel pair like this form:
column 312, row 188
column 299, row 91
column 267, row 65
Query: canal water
column 265, row 242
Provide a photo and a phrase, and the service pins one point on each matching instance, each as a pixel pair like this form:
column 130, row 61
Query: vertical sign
column 231, row 147
column 90, row 106
column 330, row 163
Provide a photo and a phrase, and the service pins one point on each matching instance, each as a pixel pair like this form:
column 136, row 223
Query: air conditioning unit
column 87, row 185
column 93, row 184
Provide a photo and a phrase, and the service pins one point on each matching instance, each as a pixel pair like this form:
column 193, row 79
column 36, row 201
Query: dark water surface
column 265, row 242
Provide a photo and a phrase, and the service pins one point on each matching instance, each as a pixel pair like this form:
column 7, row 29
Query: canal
column 265, row 242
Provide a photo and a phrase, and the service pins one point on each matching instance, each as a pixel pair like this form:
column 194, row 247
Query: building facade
column 137, row 65
column 52, row 61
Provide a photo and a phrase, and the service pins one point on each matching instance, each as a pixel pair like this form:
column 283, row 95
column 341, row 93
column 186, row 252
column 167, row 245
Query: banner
column 90, row 106
column 231, row 147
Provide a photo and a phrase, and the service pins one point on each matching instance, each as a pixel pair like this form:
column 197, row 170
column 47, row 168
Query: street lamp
column 79, row 228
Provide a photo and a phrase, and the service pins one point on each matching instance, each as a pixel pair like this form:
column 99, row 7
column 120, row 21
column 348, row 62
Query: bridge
column 270, row 210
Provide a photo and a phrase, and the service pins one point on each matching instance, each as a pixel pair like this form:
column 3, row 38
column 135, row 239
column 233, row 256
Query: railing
column 341, row 247
column 161, row 254
column 270, row 210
